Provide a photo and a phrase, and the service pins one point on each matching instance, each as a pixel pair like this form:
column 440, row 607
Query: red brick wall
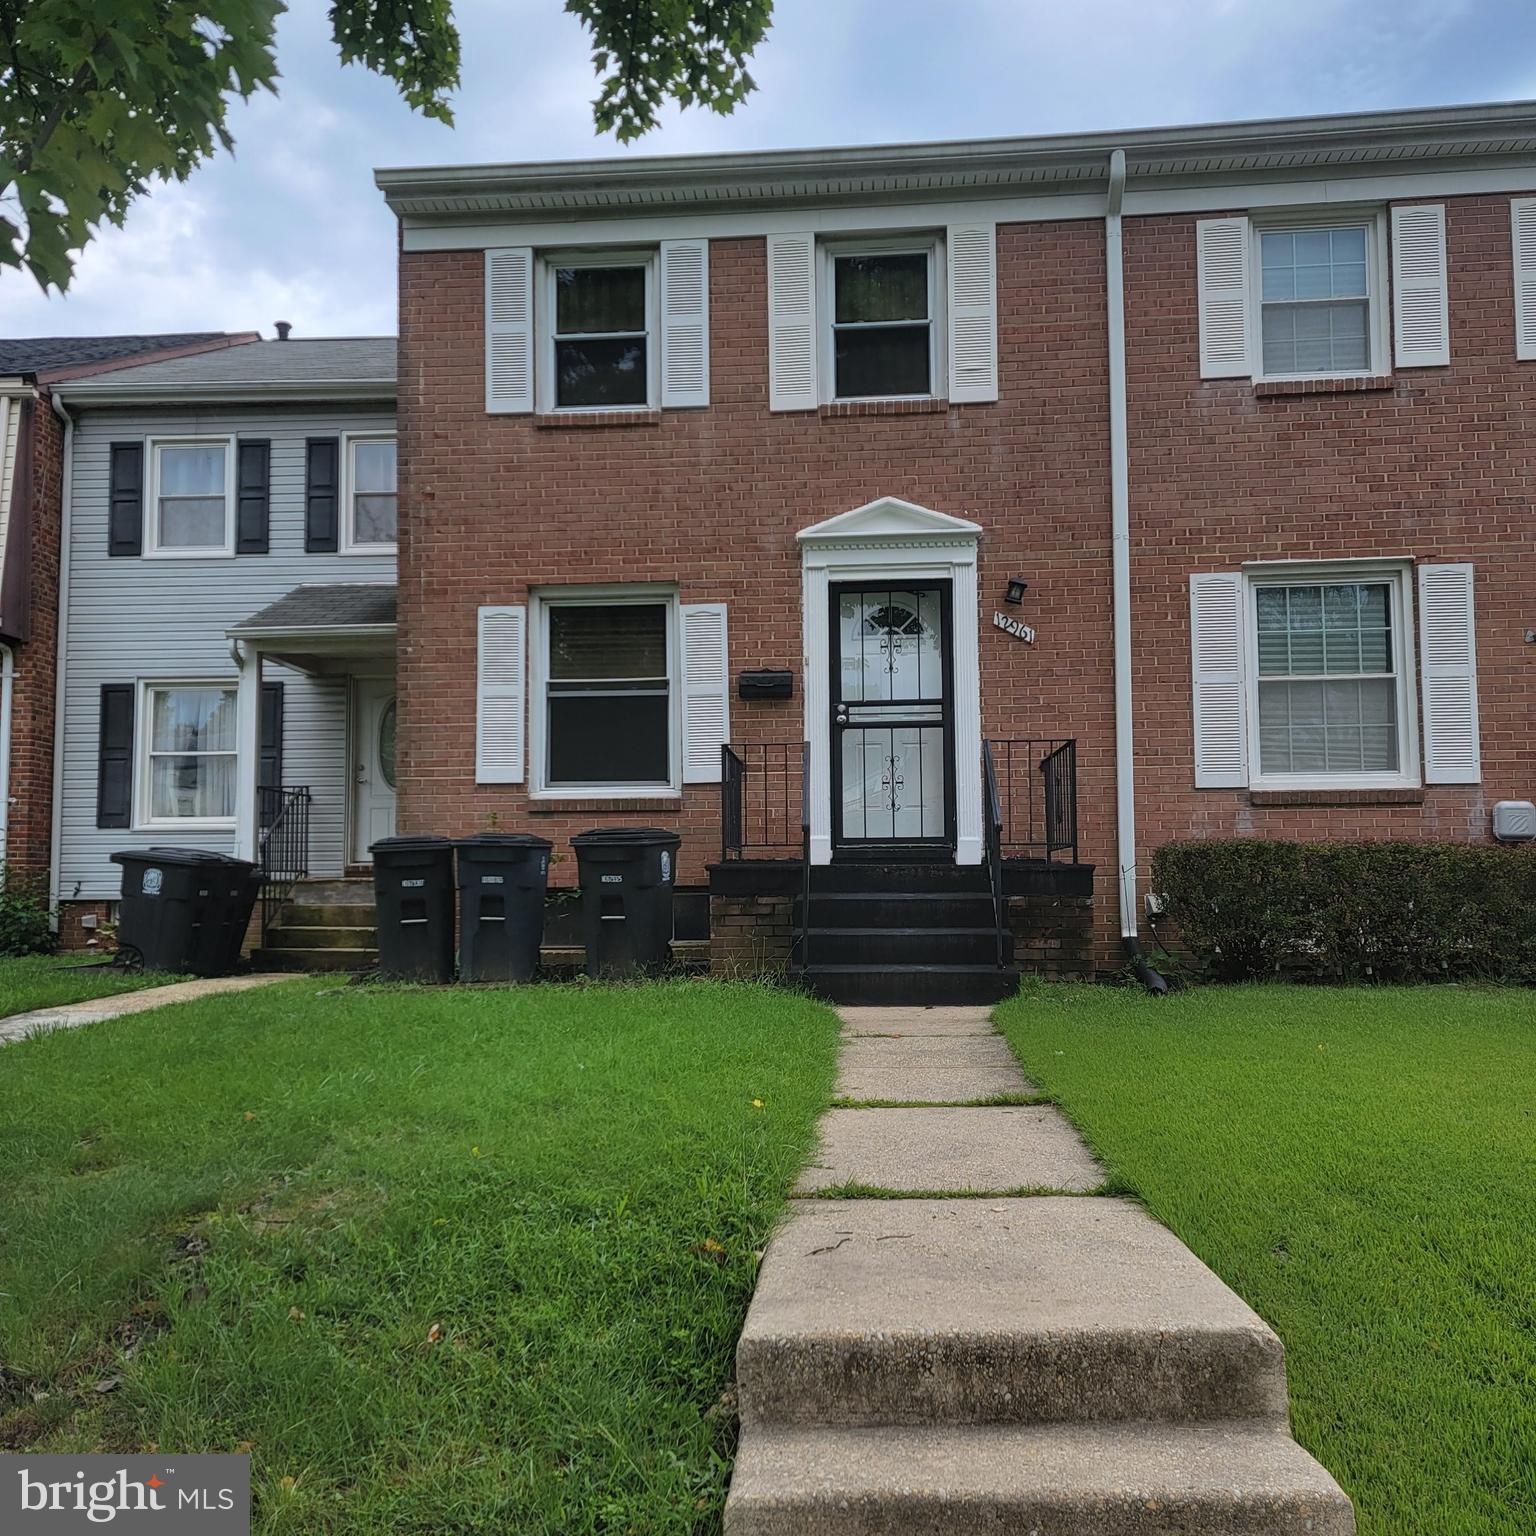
column 32, row 705
column 1438, row 466
column 712, row 499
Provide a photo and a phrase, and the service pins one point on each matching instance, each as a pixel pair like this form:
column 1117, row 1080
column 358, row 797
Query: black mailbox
column 765, row 683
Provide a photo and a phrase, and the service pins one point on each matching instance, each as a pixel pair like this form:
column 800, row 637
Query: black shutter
column 253, row 499
column 114, row 770
column 322, row 494
column 270, row 775
column 125, row 501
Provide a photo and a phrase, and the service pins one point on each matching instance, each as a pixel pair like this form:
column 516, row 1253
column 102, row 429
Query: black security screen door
column 892, row 726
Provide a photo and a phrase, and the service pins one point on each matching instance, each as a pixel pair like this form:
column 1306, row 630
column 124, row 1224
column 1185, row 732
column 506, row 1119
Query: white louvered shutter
column 500, row 695
column 706, row 691
column 1421, row 322
column 684, row 323
column 509, row 329
column 792, row 323
column 1221, row 729
column 1221, row 261
column 1448, row 675
column 971, row 251
column 1522, row 219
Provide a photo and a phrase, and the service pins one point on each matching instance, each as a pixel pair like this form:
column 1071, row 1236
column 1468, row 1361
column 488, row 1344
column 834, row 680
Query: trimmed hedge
column 1386, row 912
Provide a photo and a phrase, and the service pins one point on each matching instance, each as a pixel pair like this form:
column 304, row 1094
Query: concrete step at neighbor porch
column 325, row 925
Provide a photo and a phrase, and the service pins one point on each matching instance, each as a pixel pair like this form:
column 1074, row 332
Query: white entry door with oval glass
column 892, row 726
column 373, row 764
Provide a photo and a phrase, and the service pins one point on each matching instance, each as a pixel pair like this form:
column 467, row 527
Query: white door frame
column 893, row 541
column 355, row 749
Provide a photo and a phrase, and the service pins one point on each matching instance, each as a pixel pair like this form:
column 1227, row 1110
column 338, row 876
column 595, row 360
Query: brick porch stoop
column 978, row 1343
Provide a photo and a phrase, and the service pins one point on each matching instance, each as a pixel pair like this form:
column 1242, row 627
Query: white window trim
column 1399, row 576
column 152, row 548
column 143, row 733
column 347, row 544
column 539, row 604
column 924, row 242
column 545, row 266
column 1378, row 250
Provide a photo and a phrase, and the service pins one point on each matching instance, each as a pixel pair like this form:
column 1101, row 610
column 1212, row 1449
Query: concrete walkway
column 1053, row 1365
column 73, row 1015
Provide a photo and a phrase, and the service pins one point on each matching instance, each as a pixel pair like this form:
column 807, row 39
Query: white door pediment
column 889, row 518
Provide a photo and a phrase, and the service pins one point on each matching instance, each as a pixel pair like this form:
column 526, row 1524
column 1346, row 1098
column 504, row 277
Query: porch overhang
column 323, row 629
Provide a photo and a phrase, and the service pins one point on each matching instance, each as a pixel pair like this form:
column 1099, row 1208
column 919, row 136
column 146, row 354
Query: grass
column 443, row 1261
column 50, row 981
column 1358, row 1164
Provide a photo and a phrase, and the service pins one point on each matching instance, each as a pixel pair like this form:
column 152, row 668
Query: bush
column 24, row 926
column 1387, row 912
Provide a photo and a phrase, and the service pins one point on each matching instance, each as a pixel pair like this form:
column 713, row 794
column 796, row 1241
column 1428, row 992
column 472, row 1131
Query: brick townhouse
column 928, row 533
column 33, row 437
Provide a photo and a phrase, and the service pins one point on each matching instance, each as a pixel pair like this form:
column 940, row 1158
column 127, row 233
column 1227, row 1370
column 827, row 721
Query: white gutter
column 7, row 688
column 56, row 831
column 1120, row 530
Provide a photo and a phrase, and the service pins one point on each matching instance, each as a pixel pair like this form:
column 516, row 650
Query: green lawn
column 448, row 1261
column 1361, row 1166
column 48, row 981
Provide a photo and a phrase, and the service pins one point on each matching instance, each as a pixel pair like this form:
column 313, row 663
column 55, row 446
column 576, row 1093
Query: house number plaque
column 1014, row 627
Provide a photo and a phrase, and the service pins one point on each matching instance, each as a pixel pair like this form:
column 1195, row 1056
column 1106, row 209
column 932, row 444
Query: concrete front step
column 910, row 985
column 1034, row 1480
column 294, row 935
column 1047, row 1310
column 323, row 914
column 332, row 958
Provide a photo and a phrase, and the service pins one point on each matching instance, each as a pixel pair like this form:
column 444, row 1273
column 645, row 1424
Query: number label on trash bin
column 153, row 878
column 412, row 885
column 666, row 866
column 613, row 879
column 491, row 880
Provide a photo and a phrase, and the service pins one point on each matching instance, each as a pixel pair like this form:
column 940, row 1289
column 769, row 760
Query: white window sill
column 1302, row 783
column 605, row 792
column 370, row 549
column 189, row 554
column 186, row 824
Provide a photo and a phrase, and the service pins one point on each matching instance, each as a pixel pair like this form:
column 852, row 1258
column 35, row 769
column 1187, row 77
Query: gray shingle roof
column 36, row 354
column 319, row 361
column 320, row 606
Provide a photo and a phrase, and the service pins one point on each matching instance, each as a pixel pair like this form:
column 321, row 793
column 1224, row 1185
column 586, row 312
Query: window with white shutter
column 509, row 329
column 684, row 322
column 1421, row 326
column 1221, row 259
column 500, row 693
column 971, row 257
column 706, row 691
column 1448, row 675
column 1522, row 220
column 792, row 343
column 1216, row 630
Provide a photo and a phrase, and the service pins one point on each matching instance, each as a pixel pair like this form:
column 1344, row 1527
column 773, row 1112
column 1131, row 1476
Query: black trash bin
column 626, row 876
column 413, row 890
column 185, row 909
column 502, row 880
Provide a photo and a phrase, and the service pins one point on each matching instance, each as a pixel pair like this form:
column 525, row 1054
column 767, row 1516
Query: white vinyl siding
column 10, row 425
column 132, row 621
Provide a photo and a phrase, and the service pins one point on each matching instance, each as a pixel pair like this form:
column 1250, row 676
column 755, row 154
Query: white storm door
column 373, row 764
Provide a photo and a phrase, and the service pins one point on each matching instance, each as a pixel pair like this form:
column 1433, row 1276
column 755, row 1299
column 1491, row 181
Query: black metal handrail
column 284, row 853
column 758, row 814
column 805, row 854
column 994, row 842
column 1037, row 790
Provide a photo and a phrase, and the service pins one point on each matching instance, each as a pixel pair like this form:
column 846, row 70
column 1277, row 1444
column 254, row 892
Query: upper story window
column 188, row 764
column 1317, row 300
column 600, row 353
column 190, row 498
column 371, row 502
column 883, row 340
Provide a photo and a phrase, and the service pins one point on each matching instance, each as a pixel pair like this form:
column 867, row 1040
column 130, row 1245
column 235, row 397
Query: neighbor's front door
column 373, row 764
column 892, row 724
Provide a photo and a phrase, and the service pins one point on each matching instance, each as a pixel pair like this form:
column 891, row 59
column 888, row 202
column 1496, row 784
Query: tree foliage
column 98, row 98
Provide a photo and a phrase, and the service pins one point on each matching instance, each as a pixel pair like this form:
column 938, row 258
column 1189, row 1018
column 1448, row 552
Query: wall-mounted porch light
column 1015, row 591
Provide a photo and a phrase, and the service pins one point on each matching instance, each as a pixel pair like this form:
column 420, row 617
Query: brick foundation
column 73, row 934
column 749, row 935
column 1054, row 936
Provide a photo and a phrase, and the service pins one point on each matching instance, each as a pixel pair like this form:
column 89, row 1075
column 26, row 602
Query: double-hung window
column 1318, row 300
column 601, row 322
column 191, row 498
column 1330, row 680
column 608, row 711
column 187, row 756
column 884, row 334
column 371, row 507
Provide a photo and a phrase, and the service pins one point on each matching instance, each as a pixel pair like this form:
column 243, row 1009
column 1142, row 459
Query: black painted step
column 921, row 878
column 911, row 985
column 900, row 946
column 891, row 909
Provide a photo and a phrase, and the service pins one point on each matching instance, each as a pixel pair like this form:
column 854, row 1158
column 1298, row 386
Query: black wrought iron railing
column 284, row 854
column 763, row 799
column 1037, row 798
column 993, row 808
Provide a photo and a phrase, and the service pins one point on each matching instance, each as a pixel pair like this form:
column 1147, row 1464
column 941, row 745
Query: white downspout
column 7, row 689
column 61, row 656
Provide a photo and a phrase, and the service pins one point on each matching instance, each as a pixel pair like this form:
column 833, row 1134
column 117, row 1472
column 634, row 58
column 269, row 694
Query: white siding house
column 201, row 492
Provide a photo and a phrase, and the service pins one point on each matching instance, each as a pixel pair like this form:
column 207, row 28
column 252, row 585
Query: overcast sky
column 291, row 227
